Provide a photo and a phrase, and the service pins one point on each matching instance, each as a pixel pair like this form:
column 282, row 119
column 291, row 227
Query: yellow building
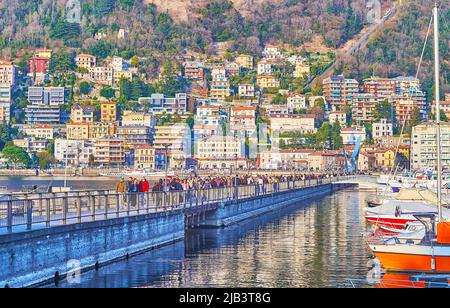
column 117, row 75
column 267, row 82
column 245, row 61
column 301, row 69
column 82, row 114
column 108, row 111
column 78, row 131
column 44, row 53
column 385, row 158
column 102, row 129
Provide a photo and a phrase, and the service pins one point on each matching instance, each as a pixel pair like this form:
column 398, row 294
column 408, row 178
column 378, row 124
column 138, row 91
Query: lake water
column 316, row 243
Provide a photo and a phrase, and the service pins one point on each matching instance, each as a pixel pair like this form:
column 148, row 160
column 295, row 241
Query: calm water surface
column 315, row 243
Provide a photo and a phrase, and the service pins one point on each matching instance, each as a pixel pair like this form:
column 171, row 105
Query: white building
column 296, row 101
column 246, row 90
column 382, row 129
column 338, row 116
column 264, row 68
column 73, row 152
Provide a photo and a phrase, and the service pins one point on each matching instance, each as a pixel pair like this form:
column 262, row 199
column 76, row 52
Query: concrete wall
column 33, row 257
column 231, row 213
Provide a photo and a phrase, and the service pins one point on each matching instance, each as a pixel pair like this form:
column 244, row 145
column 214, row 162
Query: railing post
column 93, row 207
column 29, row 214
column 47, row 211
column 9, row 222
column 106, row 206
column 80, row 206
column 65, row 207
column 118, row 196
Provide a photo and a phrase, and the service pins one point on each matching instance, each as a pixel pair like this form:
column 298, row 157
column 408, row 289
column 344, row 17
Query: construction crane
column 350, row 162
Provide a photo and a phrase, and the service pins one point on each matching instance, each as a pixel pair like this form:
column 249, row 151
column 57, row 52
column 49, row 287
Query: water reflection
column 316, row 243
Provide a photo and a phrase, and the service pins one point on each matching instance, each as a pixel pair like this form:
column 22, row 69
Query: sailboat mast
column 438, row 109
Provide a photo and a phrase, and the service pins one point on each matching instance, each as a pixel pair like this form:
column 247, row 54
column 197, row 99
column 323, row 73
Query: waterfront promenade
column 40, row 233
column 21, row 212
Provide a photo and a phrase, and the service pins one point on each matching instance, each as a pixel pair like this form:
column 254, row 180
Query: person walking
column 121, row 189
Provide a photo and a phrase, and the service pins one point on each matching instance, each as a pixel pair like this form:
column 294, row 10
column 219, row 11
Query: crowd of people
column 134, row 185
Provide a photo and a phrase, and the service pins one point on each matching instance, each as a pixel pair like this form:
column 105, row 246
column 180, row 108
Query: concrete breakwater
column 48, row 254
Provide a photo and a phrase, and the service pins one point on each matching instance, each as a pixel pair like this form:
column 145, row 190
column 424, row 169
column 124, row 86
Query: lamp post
column 166, row 162
column 65, row 167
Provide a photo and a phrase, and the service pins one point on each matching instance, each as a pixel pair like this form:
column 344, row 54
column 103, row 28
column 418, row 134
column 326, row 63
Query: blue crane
column 350, row 163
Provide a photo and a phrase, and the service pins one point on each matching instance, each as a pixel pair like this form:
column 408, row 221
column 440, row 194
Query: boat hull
column 412, row 258
column 390, row 222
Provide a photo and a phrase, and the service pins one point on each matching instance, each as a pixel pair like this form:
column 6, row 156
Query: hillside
column 396, row 48
column 159, row 28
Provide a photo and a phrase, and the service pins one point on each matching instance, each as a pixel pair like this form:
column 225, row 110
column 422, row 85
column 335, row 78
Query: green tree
column 16, row 156
column 134, row 61
column 85, row 88
column 62, row 62
column 382, row 110
column 107, row 92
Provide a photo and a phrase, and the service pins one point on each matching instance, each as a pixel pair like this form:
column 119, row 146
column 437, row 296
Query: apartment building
column 277, row 158
column 339, row 117
column 381, row 87
column 406, row 84
column 407, row 102
column 246, row 90
column 102, row 75
column 382, row 129
column 245, row 61
column 267, row 81
column 53, row 96
column 42, row 114
column 8, row 74
column 109, row 151
column 5, row 93
column 78, row 131
column 423, row 146
column 242, row 119
column 302, row 123
column 39, row 131
column 296, row 101
column 82, row 114
column 363, row 106
column 144, row 157
column 194, row 70
column 208, row 121
column 351, row 135
column 158, row 103
column 5, row 113
column 86, row 61
column 102, row 129
column 131, row 118
column 108, row 111
column 219, row 147
column 264, row 68
column 135, row 135
column 339, row 90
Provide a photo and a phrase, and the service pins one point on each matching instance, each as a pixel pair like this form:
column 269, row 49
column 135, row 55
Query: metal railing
column 31, row 211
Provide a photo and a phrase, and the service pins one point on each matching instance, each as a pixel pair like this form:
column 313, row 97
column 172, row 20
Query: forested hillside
column 396, row 49
column 154, row 33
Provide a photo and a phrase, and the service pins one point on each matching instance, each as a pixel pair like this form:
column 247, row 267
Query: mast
column 438, row 109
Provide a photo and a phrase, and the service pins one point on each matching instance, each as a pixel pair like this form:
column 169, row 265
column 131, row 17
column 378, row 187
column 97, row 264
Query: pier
column 40, row 233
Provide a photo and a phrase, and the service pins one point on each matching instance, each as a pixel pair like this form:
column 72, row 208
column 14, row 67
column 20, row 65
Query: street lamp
column 166, row 146
column 65, row 167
